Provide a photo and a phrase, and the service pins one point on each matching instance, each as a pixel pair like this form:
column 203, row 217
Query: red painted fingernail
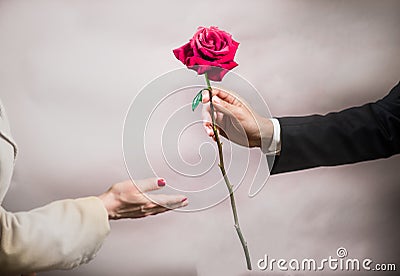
column 184, row 199
column 161, row 182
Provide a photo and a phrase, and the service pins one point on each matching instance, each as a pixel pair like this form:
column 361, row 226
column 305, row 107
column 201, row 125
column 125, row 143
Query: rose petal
column 210, row 50
column 230, row 55
column 183, row 52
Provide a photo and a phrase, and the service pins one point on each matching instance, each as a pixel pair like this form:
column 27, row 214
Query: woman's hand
column 126, row 200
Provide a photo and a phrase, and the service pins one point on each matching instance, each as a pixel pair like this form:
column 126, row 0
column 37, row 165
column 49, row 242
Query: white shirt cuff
column 274, row 147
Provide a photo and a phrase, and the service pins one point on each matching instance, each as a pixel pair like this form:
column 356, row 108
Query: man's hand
column 235, row 120
column 125, row 200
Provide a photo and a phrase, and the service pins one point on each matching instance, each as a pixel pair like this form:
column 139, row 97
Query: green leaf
column 197, row 100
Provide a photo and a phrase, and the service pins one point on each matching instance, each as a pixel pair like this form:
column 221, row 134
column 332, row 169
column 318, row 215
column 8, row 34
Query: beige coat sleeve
column 60, row 235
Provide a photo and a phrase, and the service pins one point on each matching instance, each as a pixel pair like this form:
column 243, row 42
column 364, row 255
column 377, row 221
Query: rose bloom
column 210, row 50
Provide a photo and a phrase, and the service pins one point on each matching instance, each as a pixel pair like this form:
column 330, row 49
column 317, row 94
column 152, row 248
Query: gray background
column 69, row 70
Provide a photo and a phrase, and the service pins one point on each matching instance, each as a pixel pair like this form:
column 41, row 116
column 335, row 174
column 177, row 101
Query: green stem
column 227, row 182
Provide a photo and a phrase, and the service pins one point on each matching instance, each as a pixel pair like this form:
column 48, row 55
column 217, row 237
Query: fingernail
column 184, row 199
column 216, row 100
column 161, row 182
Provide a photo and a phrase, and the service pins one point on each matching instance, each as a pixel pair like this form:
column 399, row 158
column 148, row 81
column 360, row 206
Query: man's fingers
column 206, row 94
column 220, row 106
column 223, row 107
column 208, row 129
column 225, row 96
column 205, row 114
column 205, row 97
column 150, row 184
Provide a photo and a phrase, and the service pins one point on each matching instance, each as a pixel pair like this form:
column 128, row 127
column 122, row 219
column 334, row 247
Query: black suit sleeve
column 356, row 134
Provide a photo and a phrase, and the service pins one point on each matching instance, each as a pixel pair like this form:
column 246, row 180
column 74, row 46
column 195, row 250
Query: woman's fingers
column 157, row 204
column 125, row 200
column 150, row 184
column 151, row 205
column 169, row 201
column 161, row 209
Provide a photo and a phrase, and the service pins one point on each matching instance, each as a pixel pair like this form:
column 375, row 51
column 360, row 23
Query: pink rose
column 210, row 50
